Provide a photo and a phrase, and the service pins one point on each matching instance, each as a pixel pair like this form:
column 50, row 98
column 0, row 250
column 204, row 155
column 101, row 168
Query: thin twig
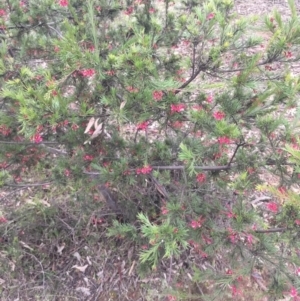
column 170, row 270
column 27, row 142
column 235, row 151
column 28, row 185
column 42, row 269
column 182, row 167
column 273, row 230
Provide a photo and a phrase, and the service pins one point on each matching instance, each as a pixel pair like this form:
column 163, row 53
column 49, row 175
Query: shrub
column 180, row 108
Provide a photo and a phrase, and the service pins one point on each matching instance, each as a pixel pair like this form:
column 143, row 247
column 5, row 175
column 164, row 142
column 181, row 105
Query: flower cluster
column 233, row 236
column 219, row 115
column 3, row 220
column 177, row 107
column 63, row 3
column 4, row 130
column 131, row 89
column 164, row 210
column 87, row 72
column 157, row 95
column 144, row 170
column 88, row 158
column 195, row 224
column 201, row 177
column 210, row 16
column 129, row 11
column 37, row 138
column 294, row 293
column 209, row 98
column 224, row 140
column 142, row 126
column 272, row 206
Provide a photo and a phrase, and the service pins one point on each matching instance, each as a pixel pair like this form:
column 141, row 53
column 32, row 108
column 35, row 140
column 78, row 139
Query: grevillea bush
column 181, row 108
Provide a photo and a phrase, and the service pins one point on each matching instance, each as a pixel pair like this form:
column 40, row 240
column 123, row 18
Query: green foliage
column 165, row 240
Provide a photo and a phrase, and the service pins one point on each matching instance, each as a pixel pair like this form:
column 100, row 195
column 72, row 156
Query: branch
column 182, row 167
column 28, row 185
column 27, row 142
column 194, row 75
column 235, row 151
column 273, row 230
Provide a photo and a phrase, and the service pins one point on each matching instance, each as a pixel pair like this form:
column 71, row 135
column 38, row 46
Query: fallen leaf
column 77, row 256
column 60, row 249
column 79, row 268
column 89, row 125
column 83, row 290
column 25, row 245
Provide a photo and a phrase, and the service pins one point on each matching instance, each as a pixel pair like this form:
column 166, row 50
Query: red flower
column 293, row 292
column 234, row 291
column 91, row 48
column 224, row 140
column 233, row 237
column 186, row 42
column 142, row 126
column 67, row 172
column 219, row 115
column 201, row 177
column 157, row 95
column 87, row 72
column 144, row 170
column 37, row 138
column 209, row 98
column 63, row 3
column 164, row 210
column 194, row 224
column 230, row 214
column 74, row 127
column 132, row 89
column 249, row 239
column 297, row 222
column 3, row 220
column 288, row 54
column 129, row 11
column 207, row 239
column 2, row 12
column 88, row 157
column 4, row 130
column 210, row 16
column 272, row 206
column 177, row 107
column 110, row 72
column 151, row 10
column 282, row 190
column 193, row 243
column 197, row 223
